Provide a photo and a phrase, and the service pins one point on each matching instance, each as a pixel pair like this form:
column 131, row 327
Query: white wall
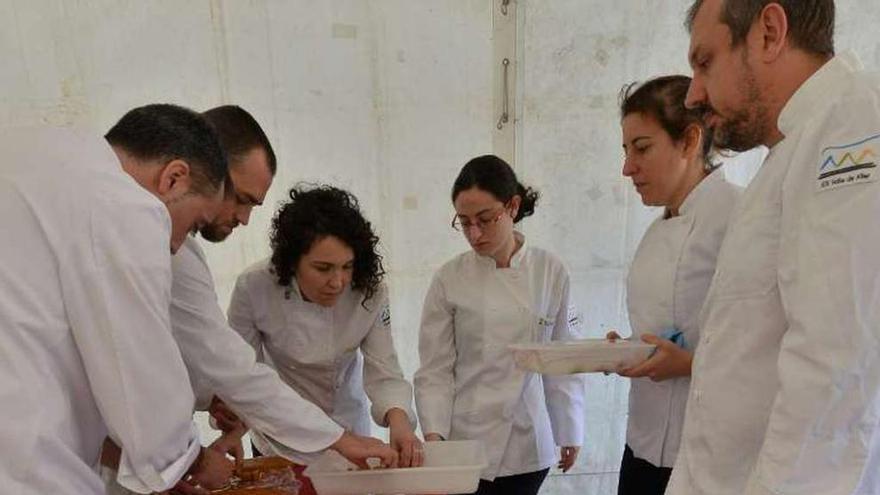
column 389, row 98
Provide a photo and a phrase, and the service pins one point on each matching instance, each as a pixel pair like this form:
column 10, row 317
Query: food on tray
column 263, row 476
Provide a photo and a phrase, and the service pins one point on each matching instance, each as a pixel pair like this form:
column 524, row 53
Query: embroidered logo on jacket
column 386, row 315
column 848, row 164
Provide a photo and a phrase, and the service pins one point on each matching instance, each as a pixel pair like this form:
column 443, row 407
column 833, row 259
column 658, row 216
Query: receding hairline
column 692, row 12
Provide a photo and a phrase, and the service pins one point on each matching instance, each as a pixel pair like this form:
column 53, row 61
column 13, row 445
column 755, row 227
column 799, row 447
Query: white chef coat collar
column 816, row 89
column 517, row 257
column 292, row 292
column 699, row 190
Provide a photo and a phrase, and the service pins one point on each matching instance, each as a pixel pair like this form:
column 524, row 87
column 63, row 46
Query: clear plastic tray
column 580, row 356
column 450, row 467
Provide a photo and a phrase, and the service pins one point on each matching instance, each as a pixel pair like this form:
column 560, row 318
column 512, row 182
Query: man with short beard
column 785, row 392
column 220, row 363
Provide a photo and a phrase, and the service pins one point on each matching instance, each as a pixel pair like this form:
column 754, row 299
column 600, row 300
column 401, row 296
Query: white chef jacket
column 468, row 387
column 667, row 282
column 336, row 357
column 221, row 363
column 85, row 348
column 785, row 391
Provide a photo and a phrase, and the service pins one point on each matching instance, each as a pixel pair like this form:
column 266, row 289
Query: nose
column 473, row 231
column 336, row 280
column 629, row 167
column 244, row 215
column 696, row 95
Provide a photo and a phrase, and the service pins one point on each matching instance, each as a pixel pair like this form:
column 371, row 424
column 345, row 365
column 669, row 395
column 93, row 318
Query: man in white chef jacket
column 219, row 361
column 785, row 393
column 85, row 340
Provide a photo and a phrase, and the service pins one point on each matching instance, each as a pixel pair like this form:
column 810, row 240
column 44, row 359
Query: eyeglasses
column 483, row 223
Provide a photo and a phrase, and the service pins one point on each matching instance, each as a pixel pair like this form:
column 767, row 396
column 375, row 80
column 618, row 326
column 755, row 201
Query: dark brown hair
column 493, row 175
column 168, row 132
column 810, row 22
column 239, row 133
column 663, row 100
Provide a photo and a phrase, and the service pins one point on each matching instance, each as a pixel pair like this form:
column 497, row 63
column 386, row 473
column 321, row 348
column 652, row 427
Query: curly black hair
column 314, row 212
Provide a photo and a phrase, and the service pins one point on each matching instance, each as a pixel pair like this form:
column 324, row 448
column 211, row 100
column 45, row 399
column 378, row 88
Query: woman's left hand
column 567, row 457
column 668, row 361
column 403, row 440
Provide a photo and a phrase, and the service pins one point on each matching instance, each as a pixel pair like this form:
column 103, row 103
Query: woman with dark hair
column 318, row 311
column 503, row 291
column 667, row 149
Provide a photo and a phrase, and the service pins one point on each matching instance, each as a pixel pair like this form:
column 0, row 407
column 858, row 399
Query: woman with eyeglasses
column 503, row 291
column 318, row 311
column 667, row 149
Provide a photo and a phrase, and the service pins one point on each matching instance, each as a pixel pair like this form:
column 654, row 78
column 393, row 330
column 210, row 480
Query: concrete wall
column 389, row 98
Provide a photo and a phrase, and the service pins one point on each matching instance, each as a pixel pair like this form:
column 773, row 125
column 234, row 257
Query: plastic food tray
column 450, row 467
column 580, row 356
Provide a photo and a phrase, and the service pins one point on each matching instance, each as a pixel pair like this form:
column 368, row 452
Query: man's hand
column 567, row 457
column 230, row 444
column 403, row 440
column 668, row 361
column 226, row 419
column 211, row 471
column 358, row 449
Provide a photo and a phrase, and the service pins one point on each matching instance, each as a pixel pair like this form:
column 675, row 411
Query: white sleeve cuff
column 148, row 479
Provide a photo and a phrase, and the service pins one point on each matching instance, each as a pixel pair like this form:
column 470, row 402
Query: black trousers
column 518, row 484
column 640, row 477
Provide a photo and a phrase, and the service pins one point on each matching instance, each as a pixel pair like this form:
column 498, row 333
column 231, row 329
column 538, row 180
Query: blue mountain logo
column 847, row 158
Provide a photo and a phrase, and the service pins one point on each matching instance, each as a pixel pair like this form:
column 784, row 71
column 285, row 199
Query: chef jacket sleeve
column 383, row 378
column 242, row 315
column 116, row 287
column 226, row 366
column 565, row 393
column 434, row 381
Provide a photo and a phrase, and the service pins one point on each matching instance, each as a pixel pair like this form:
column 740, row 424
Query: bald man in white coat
column 85, row 339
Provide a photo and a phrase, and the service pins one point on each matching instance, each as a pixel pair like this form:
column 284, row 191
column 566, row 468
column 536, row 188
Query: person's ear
column 769, row 32
column 174, row 180
column 513, row 205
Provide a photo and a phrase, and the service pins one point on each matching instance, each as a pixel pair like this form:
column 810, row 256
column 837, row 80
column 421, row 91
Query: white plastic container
column 450, row 467
column 580, row 356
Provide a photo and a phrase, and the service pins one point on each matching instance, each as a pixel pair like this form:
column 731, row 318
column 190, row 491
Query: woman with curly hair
column 318, row 311
column 500, row 292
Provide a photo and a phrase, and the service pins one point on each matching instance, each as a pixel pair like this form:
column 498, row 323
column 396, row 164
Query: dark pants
column 519, row 484
column 640, row 477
